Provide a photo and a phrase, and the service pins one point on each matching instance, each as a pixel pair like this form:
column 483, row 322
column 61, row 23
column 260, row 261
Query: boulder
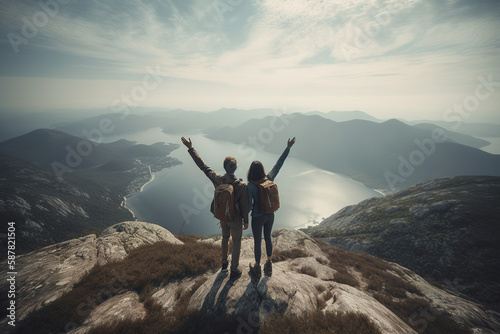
column 349, row 299
column 46, row 274
column 125, row 306
column 116, row 241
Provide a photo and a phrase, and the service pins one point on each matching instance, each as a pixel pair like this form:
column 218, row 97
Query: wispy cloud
column 321, row 48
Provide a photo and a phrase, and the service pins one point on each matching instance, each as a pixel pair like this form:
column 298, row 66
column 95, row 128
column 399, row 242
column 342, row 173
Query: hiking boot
column 268, row 268
column 224, row 266
column 255, row 270
column 235, row 274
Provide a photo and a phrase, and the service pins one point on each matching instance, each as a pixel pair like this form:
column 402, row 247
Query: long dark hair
column 256, row 172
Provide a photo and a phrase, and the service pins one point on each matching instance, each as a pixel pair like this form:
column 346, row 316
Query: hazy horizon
column 413, row 59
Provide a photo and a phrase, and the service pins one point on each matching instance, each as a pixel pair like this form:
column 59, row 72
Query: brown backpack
column 269, row 197
column 223, row 203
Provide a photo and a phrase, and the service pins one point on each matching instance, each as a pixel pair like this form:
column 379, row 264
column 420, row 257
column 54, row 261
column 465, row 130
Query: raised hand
column 290, row 142
column 187, row 142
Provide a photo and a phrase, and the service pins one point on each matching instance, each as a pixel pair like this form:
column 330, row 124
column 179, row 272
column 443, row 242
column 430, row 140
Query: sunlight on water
column 307, row 194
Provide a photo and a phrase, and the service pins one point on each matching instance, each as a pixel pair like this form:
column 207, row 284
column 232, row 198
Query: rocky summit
column 308, row 276
column 445, row 229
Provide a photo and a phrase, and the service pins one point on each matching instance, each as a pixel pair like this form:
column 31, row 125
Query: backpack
column 269, row 197
column 223, row 203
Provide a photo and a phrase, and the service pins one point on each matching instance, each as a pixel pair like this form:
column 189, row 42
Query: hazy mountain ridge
column 457, row 137
column 446, row 229
column 376, row 154
column 472, row 129
column 49, row 207
column 112, row 124
column 344, row 116
column 14, row 124
column 172, row 121
column 46, row 147
column 308, row 279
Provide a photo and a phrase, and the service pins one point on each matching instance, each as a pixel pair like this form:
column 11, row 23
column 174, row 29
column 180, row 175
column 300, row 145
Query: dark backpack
column 223, row 204
column 269, row 197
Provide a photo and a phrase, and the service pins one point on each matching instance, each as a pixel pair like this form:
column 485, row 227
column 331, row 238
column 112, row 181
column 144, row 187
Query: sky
column 412, row 59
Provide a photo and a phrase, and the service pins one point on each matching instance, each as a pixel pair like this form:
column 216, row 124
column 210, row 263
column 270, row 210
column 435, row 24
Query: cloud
column 325, row 49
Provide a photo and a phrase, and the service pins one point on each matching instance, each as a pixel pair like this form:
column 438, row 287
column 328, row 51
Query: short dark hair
column 256, row 172
column 230, row 164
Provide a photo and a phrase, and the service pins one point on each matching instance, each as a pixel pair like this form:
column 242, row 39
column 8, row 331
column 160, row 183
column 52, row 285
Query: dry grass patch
column 289, row 254
column 318, row 323
column 420, row 315
column 386, row 283
column 308, row 270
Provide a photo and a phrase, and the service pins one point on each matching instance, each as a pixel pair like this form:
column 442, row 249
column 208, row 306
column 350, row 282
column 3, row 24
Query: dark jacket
column 240, row 188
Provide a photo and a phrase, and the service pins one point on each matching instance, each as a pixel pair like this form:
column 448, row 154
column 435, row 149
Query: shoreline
column 152, row 177
column 124, row 202
column 142, row 180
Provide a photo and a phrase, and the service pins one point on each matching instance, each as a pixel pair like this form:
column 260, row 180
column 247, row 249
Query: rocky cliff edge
column 298, row 284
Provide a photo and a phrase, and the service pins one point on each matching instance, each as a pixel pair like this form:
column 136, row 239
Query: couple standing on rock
column 246, row 198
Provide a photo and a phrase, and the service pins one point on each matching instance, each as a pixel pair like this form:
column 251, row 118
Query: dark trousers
column 264, row 222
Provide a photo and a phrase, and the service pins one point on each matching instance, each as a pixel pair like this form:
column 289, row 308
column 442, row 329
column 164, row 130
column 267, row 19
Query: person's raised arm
column 274, row 172
column 209, row 172
column 187, row 142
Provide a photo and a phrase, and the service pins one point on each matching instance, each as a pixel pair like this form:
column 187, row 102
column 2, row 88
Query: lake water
column 179, row 197
column 494, row 147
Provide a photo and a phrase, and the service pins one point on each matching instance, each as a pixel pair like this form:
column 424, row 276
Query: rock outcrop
column 290, row 292
column 304, row 284
column 126, row 306
column 46, row 274
column 299, row 284
column 446, row 229
column 116, row 241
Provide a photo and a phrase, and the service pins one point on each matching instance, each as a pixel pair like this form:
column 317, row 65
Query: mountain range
column 46, row 147
column 344, row 116
column 390, row 155
column 16, row 123
column 53, row 192
column 172, row 121
column 472, row 129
